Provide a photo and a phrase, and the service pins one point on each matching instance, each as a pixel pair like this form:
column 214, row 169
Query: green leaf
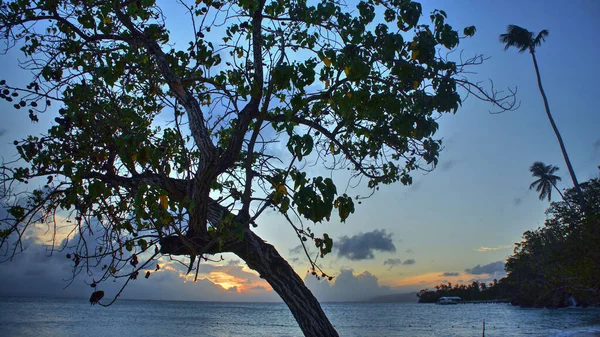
column 17, row 211
column 469, row 31
column 285, row 204
column 143, row 244
column 327, row 245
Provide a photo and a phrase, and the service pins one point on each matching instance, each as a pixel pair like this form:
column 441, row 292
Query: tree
column 546, row 180
column 164, row 151
column 523, row 40
column 560, row 259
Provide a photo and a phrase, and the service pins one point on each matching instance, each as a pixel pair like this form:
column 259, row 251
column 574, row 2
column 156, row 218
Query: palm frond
column 537, row 169
column 546, row 179
column 508, row 41
column 534, row 184
column 541, row 37
column 547, row 192
column 518, row 37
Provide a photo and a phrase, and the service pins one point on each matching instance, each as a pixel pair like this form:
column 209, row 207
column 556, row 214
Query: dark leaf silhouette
column 96, row 297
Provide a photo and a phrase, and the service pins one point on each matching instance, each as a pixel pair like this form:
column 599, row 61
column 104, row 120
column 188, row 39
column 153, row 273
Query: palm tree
column 546, row 180
column 523, row 39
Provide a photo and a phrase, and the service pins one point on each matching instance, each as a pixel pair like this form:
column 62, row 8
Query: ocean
column 49, row 317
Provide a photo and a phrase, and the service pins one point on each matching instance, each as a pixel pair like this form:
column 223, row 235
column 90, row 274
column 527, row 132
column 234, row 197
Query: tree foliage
column 163, row 148
column 476, row 291
column 523, row 40
column 560, row 259
column 546, row 179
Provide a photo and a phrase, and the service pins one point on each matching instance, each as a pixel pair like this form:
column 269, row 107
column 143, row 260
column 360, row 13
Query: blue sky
column 478, row 196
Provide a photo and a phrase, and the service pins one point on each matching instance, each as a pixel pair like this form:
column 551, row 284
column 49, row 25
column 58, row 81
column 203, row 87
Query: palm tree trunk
column 561, row 195
column 560, row 141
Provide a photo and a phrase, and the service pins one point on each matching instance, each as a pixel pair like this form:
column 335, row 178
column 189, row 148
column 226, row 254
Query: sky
column 456, row 224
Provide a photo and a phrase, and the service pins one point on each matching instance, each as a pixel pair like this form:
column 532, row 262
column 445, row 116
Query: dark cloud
column 597, row 146
column 392, row 263
column 415, row 186
column 363, row 245
column 491, row 268
column 482, row 279
column 35, row 273
column 2, row 132
column 347, row 287
column 409, row 262
column 448, row 164
column 296, row 250
column 450, row 274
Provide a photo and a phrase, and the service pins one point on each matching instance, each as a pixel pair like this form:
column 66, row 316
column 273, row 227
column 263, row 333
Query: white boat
column 449, row 300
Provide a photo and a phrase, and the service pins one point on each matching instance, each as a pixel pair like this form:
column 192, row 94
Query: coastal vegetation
column 524, row 40
column 475, row 291
column 556, row 265
column 546, row 180
column 560, row 260
column 166, row 141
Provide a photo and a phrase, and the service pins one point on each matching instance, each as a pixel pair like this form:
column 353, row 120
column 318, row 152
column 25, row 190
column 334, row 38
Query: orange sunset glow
column 228, row 281
column 225, row 280
column 429, row 279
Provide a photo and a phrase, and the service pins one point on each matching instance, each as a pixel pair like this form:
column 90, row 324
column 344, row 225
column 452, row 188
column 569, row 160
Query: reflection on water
column 63, row 317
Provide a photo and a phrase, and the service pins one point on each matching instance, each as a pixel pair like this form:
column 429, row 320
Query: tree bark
column 265, row 259
column 561, row 195
column 306, row 309
column 558, row 136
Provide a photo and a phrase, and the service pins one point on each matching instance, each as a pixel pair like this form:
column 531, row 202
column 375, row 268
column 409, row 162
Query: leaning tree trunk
column 560, row 141
column 561, row 195
column 265, row 259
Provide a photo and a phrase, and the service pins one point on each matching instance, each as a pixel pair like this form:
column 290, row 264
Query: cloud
column 35, row 273
column 2, row 131
column 296, row 250
column 490, row 269
column 347, row 286
column 362, row 245
column 448, row 164
column 410, row 251
column 491, row 249
column 597, row 146
column 450, row 274
column 409, row 262
column 231, row 275
column 259, row 288
column 415, row 186
column 392, row 263
column 517, row 201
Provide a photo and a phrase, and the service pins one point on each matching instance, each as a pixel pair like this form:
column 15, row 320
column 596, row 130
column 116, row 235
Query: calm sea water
column 68, row 317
